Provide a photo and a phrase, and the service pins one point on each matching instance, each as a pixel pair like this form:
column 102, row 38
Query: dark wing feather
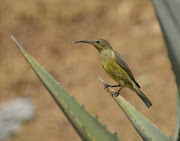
column 119, row 60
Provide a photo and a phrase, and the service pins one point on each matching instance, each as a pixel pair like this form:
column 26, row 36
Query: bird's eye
column 97, row 42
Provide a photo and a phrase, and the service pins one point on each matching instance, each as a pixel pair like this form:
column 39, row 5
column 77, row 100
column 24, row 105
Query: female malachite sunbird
column 117, row 68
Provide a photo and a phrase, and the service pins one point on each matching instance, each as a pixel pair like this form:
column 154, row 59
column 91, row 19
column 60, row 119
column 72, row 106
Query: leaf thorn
column 17, row 44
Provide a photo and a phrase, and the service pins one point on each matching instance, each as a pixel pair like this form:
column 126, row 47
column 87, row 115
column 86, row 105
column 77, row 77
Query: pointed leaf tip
column 17, row 44
column 102, row 81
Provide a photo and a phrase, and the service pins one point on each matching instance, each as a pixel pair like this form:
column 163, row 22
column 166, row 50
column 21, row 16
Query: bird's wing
column 119, row 60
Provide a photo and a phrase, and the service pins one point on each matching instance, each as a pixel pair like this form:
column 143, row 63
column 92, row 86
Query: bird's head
column 99, row 44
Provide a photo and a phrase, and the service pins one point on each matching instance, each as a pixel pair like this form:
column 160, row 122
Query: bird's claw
column 106, row 86
column 114, row 93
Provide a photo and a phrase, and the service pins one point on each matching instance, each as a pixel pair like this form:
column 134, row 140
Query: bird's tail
column 144, row 98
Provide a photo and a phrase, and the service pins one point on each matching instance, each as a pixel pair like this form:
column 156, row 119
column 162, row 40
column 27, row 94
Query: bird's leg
column 116, row 86
column 107, row 85
column 117, row 92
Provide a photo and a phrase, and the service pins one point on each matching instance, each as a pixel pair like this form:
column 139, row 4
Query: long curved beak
column 81, row 42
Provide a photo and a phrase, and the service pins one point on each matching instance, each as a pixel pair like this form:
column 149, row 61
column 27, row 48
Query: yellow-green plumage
column 115, row 71
column 116, row 68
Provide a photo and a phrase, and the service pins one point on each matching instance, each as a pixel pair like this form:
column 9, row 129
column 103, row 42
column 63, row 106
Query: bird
column 116, row 68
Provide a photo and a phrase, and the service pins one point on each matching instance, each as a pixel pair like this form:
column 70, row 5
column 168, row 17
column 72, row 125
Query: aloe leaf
column 177, row 133
column 146, row 129
column 168, row 14
column 86, row 125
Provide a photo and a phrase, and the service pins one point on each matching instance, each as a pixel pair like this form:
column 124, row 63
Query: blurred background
column 46, row 28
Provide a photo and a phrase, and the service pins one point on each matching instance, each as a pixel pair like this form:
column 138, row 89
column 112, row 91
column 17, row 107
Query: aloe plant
column 88, row 126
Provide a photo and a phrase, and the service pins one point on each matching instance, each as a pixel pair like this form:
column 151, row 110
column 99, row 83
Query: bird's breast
column 111, row 67
column 109, row 64
column 107, row 56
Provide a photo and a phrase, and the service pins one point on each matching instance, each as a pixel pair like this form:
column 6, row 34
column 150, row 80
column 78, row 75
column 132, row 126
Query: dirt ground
column 46, row 28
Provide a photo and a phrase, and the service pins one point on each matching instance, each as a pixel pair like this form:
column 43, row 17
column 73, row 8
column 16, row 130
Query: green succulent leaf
column 177, row 129
column 86, row 125
column 168, row 14
column 146, row 129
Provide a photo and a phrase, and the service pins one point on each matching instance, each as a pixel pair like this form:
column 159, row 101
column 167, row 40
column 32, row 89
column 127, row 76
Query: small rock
column 13, row 114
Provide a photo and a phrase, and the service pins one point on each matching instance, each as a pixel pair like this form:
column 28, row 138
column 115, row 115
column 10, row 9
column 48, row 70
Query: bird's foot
column 117, row 92
column 114, row 93
column 106, row 86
